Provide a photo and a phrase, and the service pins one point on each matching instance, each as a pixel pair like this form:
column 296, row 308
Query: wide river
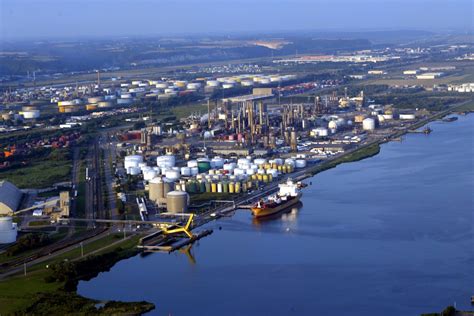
column 389, row 235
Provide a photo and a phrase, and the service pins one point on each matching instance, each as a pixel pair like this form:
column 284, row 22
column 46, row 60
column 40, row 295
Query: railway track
column 53, row 248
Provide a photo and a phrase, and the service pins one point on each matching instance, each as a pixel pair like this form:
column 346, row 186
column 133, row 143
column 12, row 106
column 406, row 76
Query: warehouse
column 10, row 197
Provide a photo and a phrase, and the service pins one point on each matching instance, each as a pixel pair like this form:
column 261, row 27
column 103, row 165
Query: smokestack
column 209, row 114
column 293, row 141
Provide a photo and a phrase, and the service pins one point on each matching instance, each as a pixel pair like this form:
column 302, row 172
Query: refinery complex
column 152, row 145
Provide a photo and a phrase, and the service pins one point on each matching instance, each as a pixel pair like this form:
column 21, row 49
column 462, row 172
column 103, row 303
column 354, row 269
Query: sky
column 42, row 19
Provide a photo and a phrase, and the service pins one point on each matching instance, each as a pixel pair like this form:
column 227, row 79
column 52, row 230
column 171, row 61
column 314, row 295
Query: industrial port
column 102, row 163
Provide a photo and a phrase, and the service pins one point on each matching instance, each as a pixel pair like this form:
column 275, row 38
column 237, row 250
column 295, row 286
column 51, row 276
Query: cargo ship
column 289, row 194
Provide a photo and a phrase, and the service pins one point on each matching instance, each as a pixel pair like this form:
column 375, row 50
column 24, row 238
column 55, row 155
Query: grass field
column 18, row 292
column 186, row 110
column 40, row 174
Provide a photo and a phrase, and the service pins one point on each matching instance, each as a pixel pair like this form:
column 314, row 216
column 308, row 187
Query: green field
column 25, row 294
column 186, row 110
column 40, row 174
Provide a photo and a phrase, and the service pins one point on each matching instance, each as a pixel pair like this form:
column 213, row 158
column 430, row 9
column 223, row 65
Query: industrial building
column 10, row 198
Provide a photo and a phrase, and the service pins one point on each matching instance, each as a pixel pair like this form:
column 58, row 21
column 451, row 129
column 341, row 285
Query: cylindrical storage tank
column 186, row 171
column 219, row 187
column 359, row 118
column 250, row 172
column 290, row 161
column 104, row 104
column 177, row 202
column 225, row 187
column 124, row 101
column 300, row 163
column 95, row 99
column 229, row 167
column 31, row 114
column 259, row 161
column 387, row 116
column 193, row 86
column 8, row 230
column 217, row 162
column 204, row 165
column 134, row 171
column 407, row 116
column 162, row 85
column 237, row 187
column 149, row 175
column 273, row 172
column 172, row 174
column 194, row 171
column 213, row 83
column 192, row 163
column 243, row 161
column 132, row 161
column 368, row 124
column 167, row 161
column 231, row 187
column 91, row 107
column 208, row 186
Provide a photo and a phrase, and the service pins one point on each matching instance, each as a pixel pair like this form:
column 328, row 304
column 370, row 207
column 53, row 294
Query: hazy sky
column 71, row 18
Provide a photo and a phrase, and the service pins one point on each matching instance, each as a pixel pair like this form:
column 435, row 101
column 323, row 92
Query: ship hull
column 266, row 211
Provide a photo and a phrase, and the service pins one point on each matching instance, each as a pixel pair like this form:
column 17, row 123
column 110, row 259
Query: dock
column 170, row 245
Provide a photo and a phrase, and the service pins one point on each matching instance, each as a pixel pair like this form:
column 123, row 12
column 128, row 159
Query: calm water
column 389, row 235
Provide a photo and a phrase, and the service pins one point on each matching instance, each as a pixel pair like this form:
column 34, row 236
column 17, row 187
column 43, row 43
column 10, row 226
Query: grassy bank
column 52, row 290
column 468, row 107
column 356, row 155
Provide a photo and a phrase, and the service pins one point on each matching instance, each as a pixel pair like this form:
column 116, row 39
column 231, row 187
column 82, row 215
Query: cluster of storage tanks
column 216, row 175
column 247, row 80
column 90, row 104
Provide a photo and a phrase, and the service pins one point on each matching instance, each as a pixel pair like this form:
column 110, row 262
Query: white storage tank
column 194, row 171
column 167, row 161
column 213, row 83
column 407, row 116
column 243, row 161
column 228, row 85
column 278, row 161
column 217, row 162
column 300, row 163
column 259, row 161
column 192, row 163
column 290, row 161
column 368, row 124
column 238, row 171
column 134, row 171
column 186, row 171
column 132, row 161
column 8, row 230
column 149, row 175
column 229, row 166
column 273, row 172
column 172, row 174
column 193, row 86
